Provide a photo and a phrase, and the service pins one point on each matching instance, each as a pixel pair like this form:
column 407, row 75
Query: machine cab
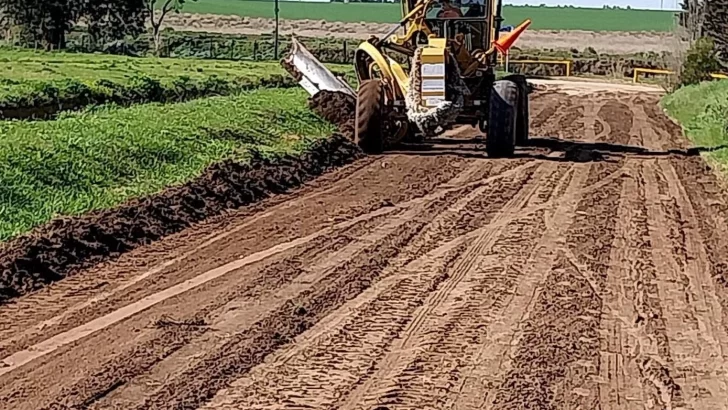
column 471, row 21
column 470, row 26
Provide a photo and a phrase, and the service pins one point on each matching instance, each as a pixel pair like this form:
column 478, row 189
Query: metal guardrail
column 637, row 72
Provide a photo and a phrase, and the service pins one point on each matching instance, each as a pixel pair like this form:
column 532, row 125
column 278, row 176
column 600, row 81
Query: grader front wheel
column 522, row 122
column 369, row 116
column 502, row 119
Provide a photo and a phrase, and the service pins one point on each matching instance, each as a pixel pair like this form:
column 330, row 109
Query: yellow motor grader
column 432, row 71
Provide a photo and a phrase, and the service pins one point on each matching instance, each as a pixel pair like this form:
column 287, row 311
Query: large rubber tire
column 523, row 119
column 369, row 118
column 500, row 138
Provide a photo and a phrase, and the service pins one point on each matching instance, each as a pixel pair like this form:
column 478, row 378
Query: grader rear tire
column 500, row 140
column 369, row 118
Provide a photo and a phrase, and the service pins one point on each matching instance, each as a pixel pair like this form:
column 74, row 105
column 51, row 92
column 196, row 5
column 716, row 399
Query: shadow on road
column 554, row 144
column 543, row 148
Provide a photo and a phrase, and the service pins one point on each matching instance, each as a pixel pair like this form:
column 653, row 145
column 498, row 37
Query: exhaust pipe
column 310, row 73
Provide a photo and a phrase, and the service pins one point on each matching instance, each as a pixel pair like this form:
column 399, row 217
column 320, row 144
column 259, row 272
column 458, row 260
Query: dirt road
column 588, row 272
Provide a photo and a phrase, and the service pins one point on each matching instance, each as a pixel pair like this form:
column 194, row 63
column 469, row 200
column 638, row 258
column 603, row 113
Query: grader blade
column 310, row 73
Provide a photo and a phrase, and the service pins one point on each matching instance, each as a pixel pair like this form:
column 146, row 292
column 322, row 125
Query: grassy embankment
column 31, row 81
column 97, row 159
column 703, row 112
column 89, row 161
column 544, row 18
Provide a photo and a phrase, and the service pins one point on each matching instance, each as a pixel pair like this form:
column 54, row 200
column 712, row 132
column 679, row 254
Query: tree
column 701, row 61
column 692, row 18
column 702, row 18
column 5, row 23
column 112, row 20
column 157, row 16
column 715, row 26
column 43, row 22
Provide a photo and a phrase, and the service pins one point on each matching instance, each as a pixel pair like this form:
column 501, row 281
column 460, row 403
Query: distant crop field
column 16, row 64
column 32, row 82
column 544, row 18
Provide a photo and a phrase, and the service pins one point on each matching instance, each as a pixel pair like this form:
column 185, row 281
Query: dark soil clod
column 188, row 323
column 337, row 108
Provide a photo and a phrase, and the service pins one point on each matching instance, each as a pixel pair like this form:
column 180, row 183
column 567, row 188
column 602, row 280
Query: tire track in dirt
column 434, row 340
column 503, row 376
column 364, row 192
column 691, row 309
column 221, row 366
column 485, row 284
column 160, row 344
column 620, row 118
column 703, row 319
column 294, row 371
column 636, row 347
column 556, row 349
column 331, row 261
column 446, row 191
column 472, row 186
column 478, row 389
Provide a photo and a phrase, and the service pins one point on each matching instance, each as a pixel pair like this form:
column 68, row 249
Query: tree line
column 707, row 18
column 45, row 23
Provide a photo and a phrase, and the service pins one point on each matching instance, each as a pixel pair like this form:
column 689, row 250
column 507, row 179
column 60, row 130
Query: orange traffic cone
column 503, row 44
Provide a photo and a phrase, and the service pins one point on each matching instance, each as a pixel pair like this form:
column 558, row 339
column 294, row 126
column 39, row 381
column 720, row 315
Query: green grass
column 16, row 64
column 31, row 79
column 703, row 112
column 34, row 79
column 544, row 18
column 89, row 161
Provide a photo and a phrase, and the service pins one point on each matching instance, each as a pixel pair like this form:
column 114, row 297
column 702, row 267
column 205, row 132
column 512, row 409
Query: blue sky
column 635, row 4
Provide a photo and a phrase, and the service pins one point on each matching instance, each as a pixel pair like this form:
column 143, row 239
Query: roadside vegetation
column 35, row 84
column 702, row 109
column 96, row 160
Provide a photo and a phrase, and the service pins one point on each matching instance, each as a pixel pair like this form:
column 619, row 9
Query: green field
column 34, row 79
column 703, row 112
column 17, row 64
column 88, row 161
column 544, row 18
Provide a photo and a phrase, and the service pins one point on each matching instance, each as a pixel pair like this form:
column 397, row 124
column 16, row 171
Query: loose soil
column 589, row 271
column 603, row 42
column 337, row 108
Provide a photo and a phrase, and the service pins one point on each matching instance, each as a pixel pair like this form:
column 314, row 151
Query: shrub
column 700, row 61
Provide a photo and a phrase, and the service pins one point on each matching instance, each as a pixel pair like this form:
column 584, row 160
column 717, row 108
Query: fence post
column 345, row 58
column 255, row 50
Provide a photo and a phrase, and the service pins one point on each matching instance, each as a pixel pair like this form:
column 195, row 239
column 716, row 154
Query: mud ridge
column 336, row 108
column 66, row 245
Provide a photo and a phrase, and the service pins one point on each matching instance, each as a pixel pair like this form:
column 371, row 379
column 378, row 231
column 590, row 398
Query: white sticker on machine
column 433, row 69
column 433, row 85
column 433, row 102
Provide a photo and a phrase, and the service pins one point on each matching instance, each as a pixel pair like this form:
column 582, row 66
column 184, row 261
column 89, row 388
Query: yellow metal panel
column 433, row 59
column 400, row 76
column 436, row 43
column 385, row 65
